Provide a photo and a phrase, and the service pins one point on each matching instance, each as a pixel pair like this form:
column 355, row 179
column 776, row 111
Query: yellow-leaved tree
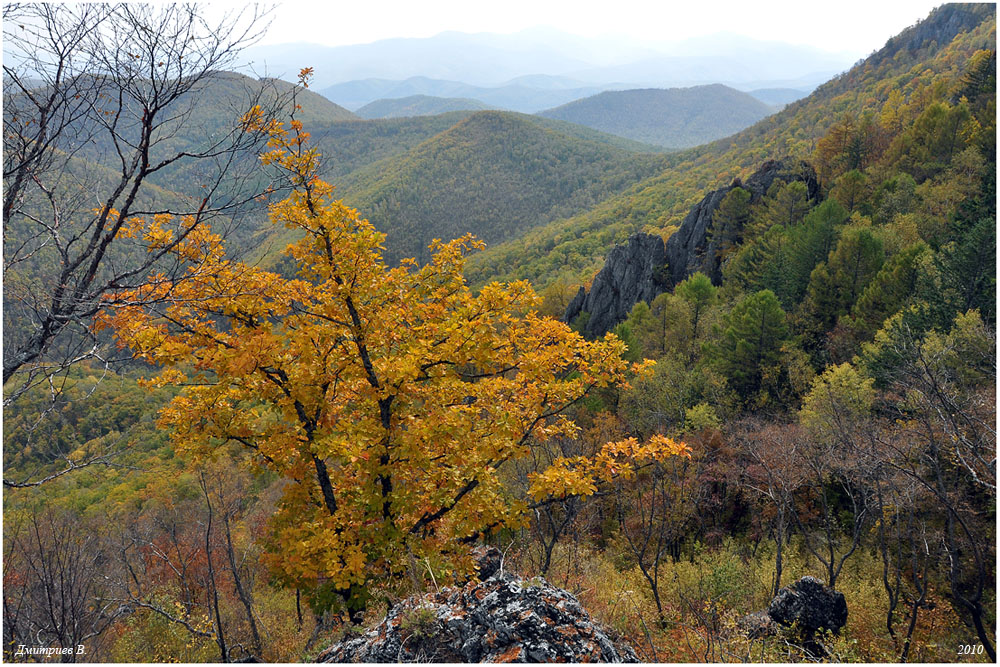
column 389, row 398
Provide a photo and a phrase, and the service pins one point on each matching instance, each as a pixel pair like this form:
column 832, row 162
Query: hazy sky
column 845, row 26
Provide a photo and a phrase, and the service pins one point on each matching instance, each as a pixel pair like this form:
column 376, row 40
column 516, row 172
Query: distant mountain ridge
column 492, row 60
column 525, row 94
column 419, row 105
column 672, row 118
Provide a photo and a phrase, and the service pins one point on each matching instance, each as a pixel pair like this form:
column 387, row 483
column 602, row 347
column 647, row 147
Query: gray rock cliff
column 645, row 267
column 691, row 249
column 632, row 272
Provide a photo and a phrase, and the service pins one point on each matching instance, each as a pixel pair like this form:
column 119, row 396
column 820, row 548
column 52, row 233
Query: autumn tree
column 851, row 143
column 390, row 398
column 943, row 388
column 850, row 189
column 54, row 594
column 700, row 295
column 661, row 326
column 655, row 514
column 772, row 472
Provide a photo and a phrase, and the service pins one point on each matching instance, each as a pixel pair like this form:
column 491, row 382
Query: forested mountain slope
column 194, row 123
column 494, row 174
column 211, row 108
column 347, row 146
column 672, row 118
column 890, row 90
column 804, row 386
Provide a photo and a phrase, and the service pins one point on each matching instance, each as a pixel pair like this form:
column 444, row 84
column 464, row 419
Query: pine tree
column 890, row 290
column 729, row 221
column 750, row 353
column 835, row 285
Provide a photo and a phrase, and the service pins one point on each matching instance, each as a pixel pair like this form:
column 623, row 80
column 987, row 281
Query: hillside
column 419, row 105
column 197, row 120
column 913, row 70
column 777, row 97
column 349, row 145
column 494, row 174
column 672, row 118
column 590, row 134
column 205, row 114
column 762, row 428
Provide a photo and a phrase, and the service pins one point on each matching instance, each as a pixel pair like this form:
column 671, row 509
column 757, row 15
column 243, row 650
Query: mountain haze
column 491, row 60
column 419, row 105
column 778, row 97
column 524, row 94
column 673, row 118
column 928, row 56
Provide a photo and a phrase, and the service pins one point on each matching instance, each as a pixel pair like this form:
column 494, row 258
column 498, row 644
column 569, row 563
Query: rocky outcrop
column 632, row 272
column 691, row 248
column 941, row 26
column 809, row 605
column 644, row 266
column 502, row 618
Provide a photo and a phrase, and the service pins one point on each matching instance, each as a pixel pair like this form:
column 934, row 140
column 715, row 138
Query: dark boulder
column 496, row 618
column 810, row 605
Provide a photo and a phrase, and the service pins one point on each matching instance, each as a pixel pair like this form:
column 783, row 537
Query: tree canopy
column 390, row 398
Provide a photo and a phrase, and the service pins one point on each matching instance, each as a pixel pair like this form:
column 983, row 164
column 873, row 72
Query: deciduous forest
column 264, row 380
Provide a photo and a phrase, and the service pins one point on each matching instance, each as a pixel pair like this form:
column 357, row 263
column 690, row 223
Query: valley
column 648, row 342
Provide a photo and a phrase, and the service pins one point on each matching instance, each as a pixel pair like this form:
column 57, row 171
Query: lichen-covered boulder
column 810, row 605
column 502, row 618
